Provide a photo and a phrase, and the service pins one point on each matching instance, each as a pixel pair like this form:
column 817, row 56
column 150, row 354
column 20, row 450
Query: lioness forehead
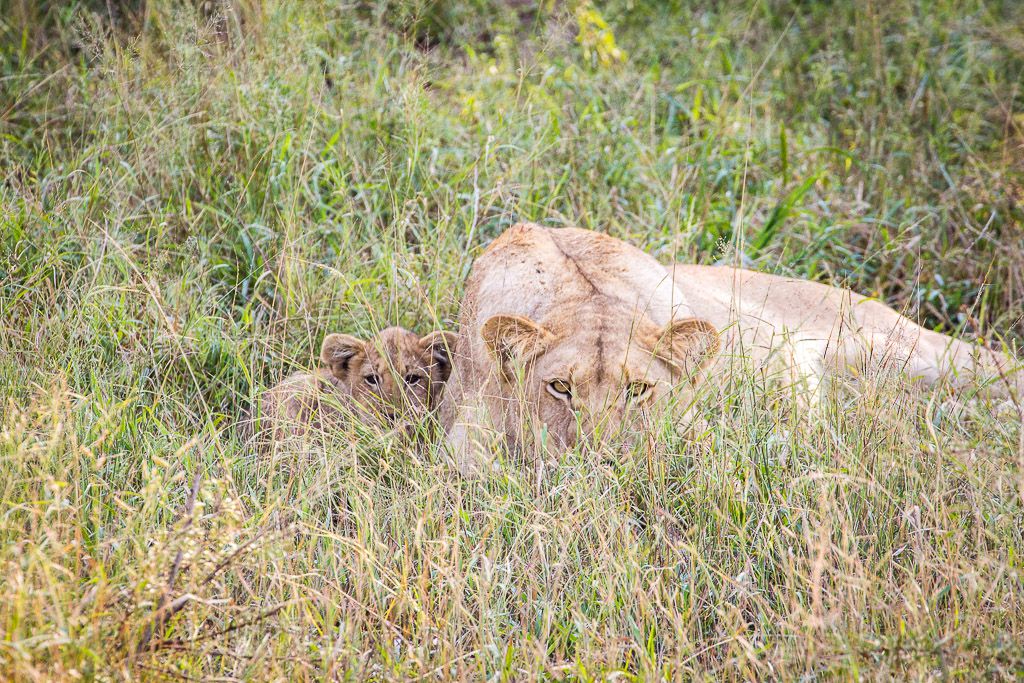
column 603, row 324
column 598, row 358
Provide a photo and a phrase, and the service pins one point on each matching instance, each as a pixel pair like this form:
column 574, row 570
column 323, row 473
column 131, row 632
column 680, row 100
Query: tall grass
column 193, row 194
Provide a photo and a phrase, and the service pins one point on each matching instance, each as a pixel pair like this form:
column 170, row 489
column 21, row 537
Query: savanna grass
column 193, row 194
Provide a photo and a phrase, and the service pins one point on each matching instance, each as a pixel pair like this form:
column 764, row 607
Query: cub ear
column 687, row 345
column 513, row 340
column 338, row 351
column 439, row 347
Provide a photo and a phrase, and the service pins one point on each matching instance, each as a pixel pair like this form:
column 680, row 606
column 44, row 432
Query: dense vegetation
column 193, row 193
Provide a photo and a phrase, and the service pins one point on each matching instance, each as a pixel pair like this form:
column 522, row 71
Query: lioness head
column 591, row 376
column 396, row 375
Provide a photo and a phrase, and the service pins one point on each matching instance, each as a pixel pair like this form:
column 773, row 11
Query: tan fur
column 321, row 400
column 590, row 311
column 805, row 331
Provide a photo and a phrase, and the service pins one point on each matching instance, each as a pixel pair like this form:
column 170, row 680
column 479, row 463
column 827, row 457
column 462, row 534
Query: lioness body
column 562, row 332
column 806, row 331
column 565, row 333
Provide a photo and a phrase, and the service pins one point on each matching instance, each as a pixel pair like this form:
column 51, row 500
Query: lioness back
column 817, row 329
column 536, row 271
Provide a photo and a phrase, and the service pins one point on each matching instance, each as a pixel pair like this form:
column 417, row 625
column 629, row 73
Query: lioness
column 810, row 331
column 395, row 377
column 565, row 334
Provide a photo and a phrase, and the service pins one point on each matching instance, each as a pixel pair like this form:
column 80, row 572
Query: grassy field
column 192, row 194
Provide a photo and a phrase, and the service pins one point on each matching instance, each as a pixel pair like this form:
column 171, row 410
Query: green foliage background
column 193, row 193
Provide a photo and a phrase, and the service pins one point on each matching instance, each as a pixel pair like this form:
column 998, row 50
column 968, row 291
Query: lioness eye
column 559, row 388
column 372, row 380
column 638, row 391
column 413, row 379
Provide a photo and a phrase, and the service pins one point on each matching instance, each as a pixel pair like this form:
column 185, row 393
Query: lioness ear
column 439, row 347
column 512, row 339
column 337, row 352
column 687, row 345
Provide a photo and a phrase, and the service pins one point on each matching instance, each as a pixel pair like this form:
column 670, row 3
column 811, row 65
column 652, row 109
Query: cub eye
column 372, row 380
column 638, row 391
column 413, row 380
column 560, row 388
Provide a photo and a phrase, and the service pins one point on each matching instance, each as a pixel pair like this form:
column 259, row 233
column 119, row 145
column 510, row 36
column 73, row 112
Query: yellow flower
column 595, row 37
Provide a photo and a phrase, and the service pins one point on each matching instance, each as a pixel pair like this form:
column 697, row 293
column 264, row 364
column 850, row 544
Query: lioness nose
column 601, row 425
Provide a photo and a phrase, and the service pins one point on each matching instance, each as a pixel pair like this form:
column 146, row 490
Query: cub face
column 395, row 376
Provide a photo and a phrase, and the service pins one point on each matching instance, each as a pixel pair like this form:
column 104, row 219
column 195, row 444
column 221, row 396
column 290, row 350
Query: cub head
column 590, row 377
column 397, row 375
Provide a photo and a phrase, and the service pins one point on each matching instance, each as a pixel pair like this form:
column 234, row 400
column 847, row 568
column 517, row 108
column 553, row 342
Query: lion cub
column 393, row 378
